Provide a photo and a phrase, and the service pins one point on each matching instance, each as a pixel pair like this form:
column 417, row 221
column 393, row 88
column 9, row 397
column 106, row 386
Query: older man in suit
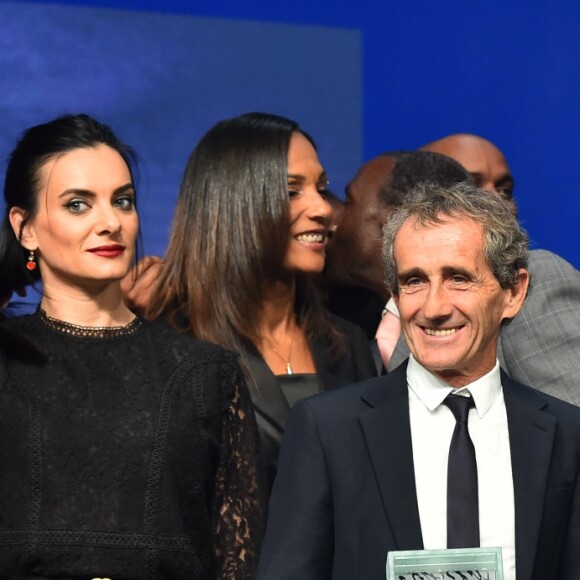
column 541, row 346
column 373, row 467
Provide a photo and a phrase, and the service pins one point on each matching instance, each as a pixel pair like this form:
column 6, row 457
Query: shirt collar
column 431, row 390
column 391, row 307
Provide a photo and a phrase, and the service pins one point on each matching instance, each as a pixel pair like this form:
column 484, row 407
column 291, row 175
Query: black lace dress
column 124, row 453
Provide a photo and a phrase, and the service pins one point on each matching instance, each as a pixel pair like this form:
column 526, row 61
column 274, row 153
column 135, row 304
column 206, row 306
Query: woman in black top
column 249, row 235
column 126, row 450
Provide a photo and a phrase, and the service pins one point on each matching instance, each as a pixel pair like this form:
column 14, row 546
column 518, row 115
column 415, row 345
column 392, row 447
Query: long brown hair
column 230, row 235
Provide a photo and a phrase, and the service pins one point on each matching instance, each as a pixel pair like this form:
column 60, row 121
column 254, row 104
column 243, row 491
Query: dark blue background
column 162, row 80
column 506, row 70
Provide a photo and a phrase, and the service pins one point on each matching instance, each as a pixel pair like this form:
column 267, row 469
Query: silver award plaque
column 461, row 564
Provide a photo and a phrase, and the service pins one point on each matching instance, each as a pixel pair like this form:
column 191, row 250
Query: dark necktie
column 462, row 496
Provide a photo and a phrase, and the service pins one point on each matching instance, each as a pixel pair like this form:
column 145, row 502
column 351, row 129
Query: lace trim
column 92, row 332
column 239, row 517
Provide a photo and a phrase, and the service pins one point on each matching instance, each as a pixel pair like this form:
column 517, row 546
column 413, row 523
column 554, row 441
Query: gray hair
column 505, row 245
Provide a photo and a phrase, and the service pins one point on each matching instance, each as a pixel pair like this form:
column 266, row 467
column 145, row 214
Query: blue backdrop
column 361, row 77
column 162, row 80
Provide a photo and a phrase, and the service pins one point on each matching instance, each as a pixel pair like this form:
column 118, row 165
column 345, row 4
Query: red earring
column 31, row 263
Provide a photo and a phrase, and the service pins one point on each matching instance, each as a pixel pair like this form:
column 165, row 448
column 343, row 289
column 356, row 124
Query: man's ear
column 23, row 230
column 516, row 295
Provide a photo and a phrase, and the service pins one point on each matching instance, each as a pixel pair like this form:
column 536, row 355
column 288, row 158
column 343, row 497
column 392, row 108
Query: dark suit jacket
column 270, row 404
column 345, row 491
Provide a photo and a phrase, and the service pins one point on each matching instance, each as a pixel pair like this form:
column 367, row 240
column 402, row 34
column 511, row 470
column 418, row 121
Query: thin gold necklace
column 286, row 361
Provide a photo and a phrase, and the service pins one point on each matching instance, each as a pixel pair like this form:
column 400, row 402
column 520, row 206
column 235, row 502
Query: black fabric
column 298, row 386
column 358, row 305
column 462, row 492
column 355, row 364
column 130, row 456
column 272, row 409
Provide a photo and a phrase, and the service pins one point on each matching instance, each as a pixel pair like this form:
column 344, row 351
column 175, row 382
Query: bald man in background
column 540, row 346
column 483, row 160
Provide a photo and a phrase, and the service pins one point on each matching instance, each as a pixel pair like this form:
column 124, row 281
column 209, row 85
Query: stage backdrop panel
column 162, row 80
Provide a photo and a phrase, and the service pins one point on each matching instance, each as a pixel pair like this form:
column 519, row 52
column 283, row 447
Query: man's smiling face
column 451, row 304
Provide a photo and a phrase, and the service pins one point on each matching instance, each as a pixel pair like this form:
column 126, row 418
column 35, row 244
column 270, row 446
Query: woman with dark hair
column 249, row 233
column 126, row 450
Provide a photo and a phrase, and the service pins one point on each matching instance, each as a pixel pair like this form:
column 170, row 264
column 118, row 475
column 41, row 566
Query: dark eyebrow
column 88, row 193
column 449, row 271
column 507, row 179
column 476, row 175
column 323, row 177
column 128, row 187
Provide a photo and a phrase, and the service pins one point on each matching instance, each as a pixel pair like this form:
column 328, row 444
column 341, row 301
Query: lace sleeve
column 239, row 504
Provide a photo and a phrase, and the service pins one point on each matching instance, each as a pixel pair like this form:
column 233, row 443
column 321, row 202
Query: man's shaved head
column 482, row 159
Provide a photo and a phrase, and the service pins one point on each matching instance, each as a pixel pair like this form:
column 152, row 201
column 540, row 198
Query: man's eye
column 413, row 282
column 411, row 285
column 459, row 279
column 77, row 205
column 292, row 193
column 506, row 192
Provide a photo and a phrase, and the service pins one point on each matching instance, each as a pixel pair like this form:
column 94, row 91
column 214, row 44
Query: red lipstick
column 108, row 251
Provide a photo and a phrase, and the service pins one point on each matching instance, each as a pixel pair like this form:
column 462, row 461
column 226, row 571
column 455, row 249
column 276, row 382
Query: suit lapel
column 531, row 434
column 387, row 431
column 400, row 353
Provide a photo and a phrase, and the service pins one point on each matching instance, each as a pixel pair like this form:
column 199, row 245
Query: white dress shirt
column 432, row 425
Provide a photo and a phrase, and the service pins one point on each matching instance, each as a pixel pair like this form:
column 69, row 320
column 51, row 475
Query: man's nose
column 488, row 185
column 437, row 304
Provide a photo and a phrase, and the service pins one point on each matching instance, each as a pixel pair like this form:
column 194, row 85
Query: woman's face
column 85, row 227
column 310, row 213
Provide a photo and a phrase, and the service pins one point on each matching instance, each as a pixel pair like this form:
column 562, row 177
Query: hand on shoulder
column 139, row 284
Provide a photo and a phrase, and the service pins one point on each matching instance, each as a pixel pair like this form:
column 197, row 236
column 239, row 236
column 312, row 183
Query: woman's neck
column 283, row 344
column 100, row 306
column 278, row 309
